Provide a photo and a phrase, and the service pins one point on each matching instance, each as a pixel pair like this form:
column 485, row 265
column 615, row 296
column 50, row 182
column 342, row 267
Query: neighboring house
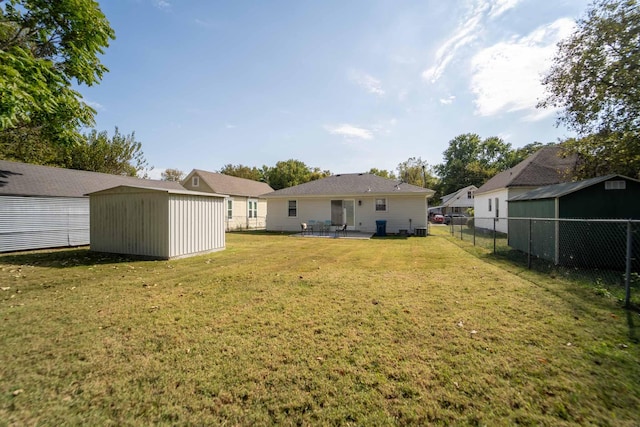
column 546, row 166
column 46, row 207
column 595, row 244
column 357, row 200
column 458, row 202
column 156, row 223
column 245, row 208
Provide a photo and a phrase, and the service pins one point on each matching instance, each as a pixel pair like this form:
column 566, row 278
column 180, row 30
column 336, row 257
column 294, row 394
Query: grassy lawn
column 285, row 330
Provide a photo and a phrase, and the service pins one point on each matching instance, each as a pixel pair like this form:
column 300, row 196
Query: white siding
column 400, row 209
column 135, row 224
column 241, row 220
column 195, row 224
column 481, row 207
column 43, row 222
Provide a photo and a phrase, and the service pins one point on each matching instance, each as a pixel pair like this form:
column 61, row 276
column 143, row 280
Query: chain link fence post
column 627, row 275
column 494, row 235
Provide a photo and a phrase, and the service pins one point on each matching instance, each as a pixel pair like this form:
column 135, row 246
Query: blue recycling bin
column 381, row 227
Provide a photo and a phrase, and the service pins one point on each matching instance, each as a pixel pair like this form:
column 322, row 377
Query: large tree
column 97, row 152
column 47, row 47
column 470, row 160
column 383, row 173
column 292, row 172
column 242, row 171
column 594, row 80
column 416, row 171
column 172, row 174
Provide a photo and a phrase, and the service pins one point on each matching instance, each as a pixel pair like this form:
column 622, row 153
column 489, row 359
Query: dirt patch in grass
column 279, row 330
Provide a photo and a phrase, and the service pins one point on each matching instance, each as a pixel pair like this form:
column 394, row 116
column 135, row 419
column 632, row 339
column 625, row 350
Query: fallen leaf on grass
column 6, row 288
column 18, row 391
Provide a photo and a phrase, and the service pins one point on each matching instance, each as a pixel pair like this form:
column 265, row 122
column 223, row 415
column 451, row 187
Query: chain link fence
column 604, row 253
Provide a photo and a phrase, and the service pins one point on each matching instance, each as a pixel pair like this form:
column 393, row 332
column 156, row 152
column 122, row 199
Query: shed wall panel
column 196, row 224
column 43, row 222
column 133, row 224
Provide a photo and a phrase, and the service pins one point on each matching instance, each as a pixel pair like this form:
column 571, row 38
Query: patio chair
column 304, row 228
column 341, row 230
column 312, row 225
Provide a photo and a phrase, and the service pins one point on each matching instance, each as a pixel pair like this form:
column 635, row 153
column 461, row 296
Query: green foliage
column 606, row 153
column 470, row 160
column 595, row 72
column 242, row 171
column 383, row 173
column 46, row 46
column 97, row 152
column 172, row 175
column 292, row 172
column 416, row 171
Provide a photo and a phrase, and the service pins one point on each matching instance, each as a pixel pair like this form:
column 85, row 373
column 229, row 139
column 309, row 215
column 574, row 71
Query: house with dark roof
column 245, row 208
column 547, row 166
column 357, row 200
column 46, row 207
column 597, row 244
column 459, row 201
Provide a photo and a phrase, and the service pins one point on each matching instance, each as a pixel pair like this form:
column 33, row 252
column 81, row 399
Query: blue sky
column 340, row 85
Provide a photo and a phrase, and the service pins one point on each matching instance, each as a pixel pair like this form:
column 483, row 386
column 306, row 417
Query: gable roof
column 23, row 179
column 452, row 197
column 559, row 190
column 351, row 184
column 123, row 189
column 232, row 185
column 546, row 166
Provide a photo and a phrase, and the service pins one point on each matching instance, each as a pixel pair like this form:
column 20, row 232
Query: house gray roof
column 23, row 179
column 546, row 166
column 559, row 190
column 232, row 185
column 351, row 184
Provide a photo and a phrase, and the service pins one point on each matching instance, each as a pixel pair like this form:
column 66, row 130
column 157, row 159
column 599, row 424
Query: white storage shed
column 156, row 223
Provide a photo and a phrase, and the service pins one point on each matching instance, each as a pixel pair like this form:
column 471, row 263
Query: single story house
column 546, row 166
column 46, row 207
column 577, row 243
column 156, row 223
column 459, row 202
column 245, row 208
column 357, row 200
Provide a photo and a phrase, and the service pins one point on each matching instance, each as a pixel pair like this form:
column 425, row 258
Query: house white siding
column 481, row 207
column 400, row 210
column 43, row 222
column 156, row 224
column 240, row 219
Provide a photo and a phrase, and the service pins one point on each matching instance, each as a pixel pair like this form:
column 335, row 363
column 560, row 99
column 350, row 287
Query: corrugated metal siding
column 196, row 224
column 135, row 224
column 43, row 222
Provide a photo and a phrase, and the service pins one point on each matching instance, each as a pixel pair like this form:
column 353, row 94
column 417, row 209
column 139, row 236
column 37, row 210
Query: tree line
column 48, row 46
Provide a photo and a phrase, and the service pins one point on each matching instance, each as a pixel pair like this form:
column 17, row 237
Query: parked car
column 437, row 219
column 455, row 218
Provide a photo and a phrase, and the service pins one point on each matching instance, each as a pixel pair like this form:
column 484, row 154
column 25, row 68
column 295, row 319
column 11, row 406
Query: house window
column 497, row 208
column 489, row 205
column 293, row 208
column 195, row 181
column 615, row 185
column 469, row 195
column 381, row 205
column 253, row 209
column 229, row 208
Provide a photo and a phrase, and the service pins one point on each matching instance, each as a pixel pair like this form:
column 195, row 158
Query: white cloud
column 350, row 131
column 448, row 100
column 369, row 83
column 507, row 76
column 230, row 126
column 466, row 33
column 95, row 105
column 162, row 4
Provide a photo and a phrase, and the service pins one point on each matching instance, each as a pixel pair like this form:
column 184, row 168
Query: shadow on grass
column 65, row 258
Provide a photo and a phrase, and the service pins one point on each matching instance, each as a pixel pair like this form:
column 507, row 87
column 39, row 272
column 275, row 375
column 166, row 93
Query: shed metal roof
column 23, row 179
column 138, row 188
column 351, row 184
column 559, row 190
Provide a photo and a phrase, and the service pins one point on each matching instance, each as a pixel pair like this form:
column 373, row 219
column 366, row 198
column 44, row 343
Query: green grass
column 285, row 330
